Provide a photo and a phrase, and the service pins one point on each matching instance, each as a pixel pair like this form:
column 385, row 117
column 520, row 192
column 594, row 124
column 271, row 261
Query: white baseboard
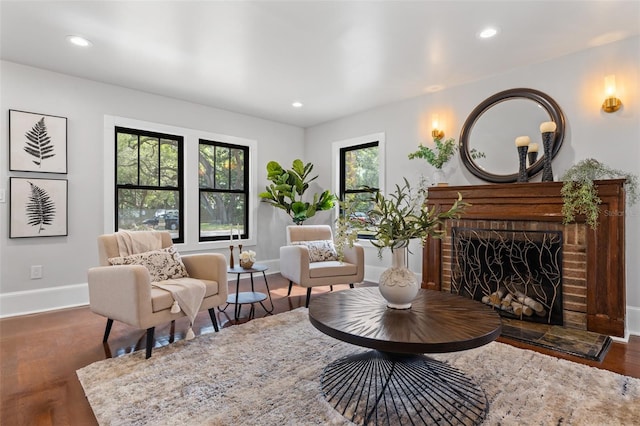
column 41, row 300
column 633, row 320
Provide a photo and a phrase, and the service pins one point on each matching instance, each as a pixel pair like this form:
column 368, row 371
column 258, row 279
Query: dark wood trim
column 541, row 201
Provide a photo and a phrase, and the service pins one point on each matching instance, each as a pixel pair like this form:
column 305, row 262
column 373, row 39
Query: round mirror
column 487, row 141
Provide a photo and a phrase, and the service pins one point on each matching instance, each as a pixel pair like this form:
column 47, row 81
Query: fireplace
column 517, row 272
column 593, row 261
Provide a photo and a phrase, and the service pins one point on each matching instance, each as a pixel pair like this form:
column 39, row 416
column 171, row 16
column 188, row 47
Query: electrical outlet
column 36, row 272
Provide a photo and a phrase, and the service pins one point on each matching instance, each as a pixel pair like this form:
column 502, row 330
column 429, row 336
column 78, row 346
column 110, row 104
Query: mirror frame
column 552, row 108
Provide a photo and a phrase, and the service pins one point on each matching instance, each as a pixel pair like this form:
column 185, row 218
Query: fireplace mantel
column 542, row 202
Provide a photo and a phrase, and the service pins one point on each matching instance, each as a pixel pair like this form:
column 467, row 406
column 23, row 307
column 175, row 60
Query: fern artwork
column 38, row 207
column 37, row 142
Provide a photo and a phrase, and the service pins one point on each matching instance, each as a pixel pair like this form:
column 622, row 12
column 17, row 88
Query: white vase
column 439, row 177
column 398, row 285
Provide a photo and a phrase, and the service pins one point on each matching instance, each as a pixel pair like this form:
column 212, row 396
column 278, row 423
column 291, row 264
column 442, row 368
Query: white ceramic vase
column 439, row 178
column 398, row 285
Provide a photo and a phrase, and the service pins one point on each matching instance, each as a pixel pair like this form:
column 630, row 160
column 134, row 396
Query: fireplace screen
column 519, row 273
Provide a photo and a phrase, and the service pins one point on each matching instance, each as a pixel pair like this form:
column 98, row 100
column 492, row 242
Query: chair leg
column 330, row 288
column 150, row 332
column 290, row 285
column 214, row 321
column 306, row 305
column 107, row 330
column 351, row 285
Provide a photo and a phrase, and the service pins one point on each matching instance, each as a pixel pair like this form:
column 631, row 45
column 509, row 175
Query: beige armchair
column 297, row 266
column 125, row 293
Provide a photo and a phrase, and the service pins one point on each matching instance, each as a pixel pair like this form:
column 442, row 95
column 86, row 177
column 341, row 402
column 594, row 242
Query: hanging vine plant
column 580, row 194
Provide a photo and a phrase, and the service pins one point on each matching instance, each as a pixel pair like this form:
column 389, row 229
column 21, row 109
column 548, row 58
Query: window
column 224, row 190
column 359, row 167
column 149, row 181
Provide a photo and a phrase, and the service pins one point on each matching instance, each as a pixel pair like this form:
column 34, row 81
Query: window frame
column 190, row 173
column 180, row 174
column 246, row 228
column 343, row 146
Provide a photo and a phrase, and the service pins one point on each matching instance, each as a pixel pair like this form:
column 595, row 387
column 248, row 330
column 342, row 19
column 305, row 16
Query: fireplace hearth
column 517, row 272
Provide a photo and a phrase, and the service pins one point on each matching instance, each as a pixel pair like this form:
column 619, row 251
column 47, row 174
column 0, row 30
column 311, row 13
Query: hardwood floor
column 40, row 353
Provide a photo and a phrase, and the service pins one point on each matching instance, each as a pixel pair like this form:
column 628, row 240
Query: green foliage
column 288, row 187
column 439, row 156
column 400, row 217
column 580, row 195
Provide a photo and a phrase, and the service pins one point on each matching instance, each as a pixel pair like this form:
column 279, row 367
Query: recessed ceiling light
column 78, row 41
column 434, row 88
column 488, row 32
column 297, row 104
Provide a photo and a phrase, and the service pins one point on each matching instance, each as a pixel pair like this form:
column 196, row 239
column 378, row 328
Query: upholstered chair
column 309, row 259
column 125, row 292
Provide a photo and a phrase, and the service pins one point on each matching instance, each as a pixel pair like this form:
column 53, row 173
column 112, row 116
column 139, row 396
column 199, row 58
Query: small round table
column 394, row 383
column 248, row 297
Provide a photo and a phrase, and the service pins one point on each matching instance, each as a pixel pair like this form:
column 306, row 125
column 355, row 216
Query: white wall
column 85, row 103
column 575, row 82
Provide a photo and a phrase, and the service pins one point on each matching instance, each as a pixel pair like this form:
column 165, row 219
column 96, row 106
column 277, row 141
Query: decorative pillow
column 320, row 250
column 162, row 264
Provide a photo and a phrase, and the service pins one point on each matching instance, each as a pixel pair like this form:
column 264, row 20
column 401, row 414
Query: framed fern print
column 38, row 207
column 37, row 142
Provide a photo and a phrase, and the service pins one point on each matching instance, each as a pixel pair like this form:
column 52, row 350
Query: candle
column 548, row 126
column 533, row 147
column 522, row 141
column 231, row 233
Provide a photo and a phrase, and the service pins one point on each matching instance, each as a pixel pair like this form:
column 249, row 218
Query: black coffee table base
column 374, row 388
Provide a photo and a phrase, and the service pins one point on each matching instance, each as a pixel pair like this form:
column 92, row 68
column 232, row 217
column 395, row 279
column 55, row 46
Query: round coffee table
column 394, row 383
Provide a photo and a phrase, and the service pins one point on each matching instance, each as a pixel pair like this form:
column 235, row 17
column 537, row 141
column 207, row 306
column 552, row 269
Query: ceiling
column 336, row 57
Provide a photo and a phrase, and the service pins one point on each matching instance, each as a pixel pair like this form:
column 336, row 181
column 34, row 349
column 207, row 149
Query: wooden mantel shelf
column 541, row 202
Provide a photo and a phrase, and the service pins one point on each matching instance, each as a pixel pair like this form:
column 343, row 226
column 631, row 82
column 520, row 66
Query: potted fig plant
column 287, row 188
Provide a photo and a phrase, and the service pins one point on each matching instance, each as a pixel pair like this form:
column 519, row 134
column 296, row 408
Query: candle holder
column 547, row 143
column 533, row 157
column 231, row 262
column 522, row 157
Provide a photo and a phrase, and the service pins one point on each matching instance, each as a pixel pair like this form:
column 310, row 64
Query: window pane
column 237, row 169
column 149, row 161
column 362, row 207
column 361, row 168
column 221, row 167
column 140, row 209
column 168, row 162
column 127, row 159
column 206, row 168
column 221, row 211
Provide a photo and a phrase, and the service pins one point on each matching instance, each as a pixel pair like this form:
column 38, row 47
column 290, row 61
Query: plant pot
column 398, row 285
column 439, row 178
column 246, row 264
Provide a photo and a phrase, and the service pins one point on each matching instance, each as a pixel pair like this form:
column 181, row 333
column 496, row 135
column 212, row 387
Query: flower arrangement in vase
column 247, row 259
column 400, row 217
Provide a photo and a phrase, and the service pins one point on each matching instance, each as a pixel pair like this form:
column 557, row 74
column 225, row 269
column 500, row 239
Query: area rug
column 267, row 372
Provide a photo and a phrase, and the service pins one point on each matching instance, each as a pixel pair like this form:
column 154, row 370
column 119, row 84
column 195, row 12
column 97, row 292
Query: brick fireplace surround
column 593, row 264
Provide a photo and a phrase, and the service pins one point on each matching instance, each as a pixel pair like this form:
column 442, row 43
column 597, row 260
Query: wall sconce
column 611, row 103
column 436, row 133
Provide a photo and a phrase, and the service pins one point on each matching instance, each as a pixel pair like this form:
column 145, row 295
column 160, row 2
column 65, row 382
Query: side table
column 249, row 297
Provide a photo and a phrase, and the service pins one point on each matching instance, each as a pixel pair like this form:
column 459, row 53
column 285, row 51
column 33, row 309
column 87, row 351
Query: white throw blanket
column 187, row 293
